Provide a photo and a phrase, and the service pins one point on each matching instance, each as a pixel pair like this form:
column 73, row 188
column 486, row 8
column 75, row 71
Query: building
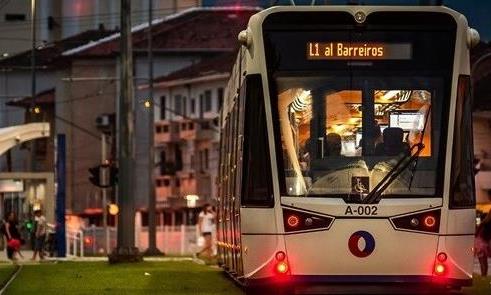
column 87, row 87
column 58, row 20
column 187, row 136
column 36, row 157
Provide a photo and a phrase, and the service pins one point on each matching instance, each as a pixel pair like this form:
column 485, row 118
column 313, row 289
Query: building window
column 15, row 17
column 206, row 159
column 163, row 106
column 201, row 105
column 165, row 128
column 184, row 110
column 219, row 98
column 191, row 126
column 166, row 182
column 193, row 106
column 208, row 101
column 178, row 104
column 178, row 182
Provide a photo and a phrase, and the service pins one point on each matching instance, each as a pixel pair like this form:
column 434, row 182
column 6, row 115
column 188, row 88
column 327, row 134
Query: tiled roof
column 49, row 55
column 42, row 98
column 194, row 29
column 221, row 64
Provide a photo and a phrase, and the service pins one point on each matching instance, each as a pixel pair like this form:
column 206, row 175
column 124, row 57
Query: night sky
column 478, row 12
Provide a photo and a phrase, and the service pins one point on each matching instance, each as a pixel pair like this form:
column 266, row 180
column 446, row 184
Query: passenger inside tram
column 332, row 137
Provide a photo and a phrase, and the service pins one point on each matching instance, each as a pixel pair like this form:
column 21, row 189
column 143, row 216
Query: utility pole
column 105, row 179
column 33, row 76
column 126, row 250
column 152, row 232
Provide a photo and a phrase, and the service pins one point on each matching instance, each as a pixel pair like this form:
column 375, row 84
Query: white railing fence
column 74, row 243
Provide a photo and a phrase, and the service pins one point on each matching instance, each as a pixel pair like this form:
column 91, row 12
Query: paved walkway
column 28, row 255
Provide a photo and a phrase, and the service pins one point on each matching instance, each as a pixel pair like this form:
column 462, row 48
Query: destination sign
column 358, row 51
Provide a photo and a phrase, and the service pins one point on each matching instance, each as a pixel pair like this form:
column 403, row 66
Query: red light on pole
column 88, row 240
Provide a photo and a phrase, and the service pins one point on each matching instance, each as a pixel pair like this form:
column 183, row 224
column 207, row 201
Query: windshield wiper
column 375, row 195
column 402, row 164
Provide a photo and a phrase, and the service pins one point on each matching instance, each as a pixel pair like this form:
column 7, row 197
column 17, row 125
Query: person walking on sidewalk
column 39, row 234
column 12, row 235
column 206, row 221
column 482, row 244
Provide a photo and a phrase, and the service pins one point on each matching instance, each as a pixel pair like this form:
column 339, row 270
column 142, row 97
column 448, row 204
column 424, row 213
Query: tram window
column 336, row 131
column 462, row 192
column 405, row 115
column 256, row 179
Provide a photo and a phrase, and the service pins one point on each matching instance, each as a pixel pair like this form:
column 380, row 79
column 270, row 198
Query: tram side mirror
column 245, row 38
column 473, row 38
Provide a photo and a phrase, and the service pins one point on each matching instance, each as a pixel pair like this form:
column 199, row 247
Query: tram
column 346, row 151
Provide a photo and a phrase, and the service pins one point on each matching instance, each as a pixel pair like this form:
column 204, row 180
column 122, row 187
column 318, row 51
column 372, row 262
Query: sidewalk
column 28, row 254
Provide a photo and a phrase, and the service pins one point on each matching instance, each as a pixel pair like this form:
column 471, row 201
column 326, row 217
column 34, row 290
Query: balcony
column 195, row 184
column 188, row 185
column 165, row 187
column 165, row 132
column 198, row 130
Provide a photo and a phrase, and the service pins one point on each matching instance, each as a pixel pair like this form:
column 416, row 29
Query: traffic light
column 29, row 224
column 95, row 177
column 97, row 180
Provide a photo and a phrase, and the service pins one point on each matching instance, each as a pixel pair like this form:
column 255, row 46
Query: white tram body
column 346, row 149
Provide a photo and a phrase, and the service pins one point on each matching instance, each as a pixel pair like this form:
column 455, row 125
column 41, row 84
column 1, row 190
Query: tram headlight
column 428, row 221
column 299, row 221
column 414, row 222
column 293, row 221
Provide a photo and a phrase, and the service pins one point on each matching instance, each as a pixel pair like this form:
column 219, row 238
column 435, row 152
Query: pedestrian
column 12, row 236
column 39, row 234
column 482, row 244
column 206, row 222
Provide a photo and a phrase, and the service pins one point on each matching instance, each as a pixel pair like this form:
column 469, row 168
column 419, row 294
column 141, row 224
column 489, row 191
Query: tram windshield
column 360, row 114
column 342, row 137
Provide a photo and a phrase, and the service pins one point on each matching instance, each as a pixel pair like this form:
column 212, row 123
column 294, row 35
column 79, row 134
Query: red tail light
column 440, row 269
column 282, row 267
column 297, row 221
column 427, row 221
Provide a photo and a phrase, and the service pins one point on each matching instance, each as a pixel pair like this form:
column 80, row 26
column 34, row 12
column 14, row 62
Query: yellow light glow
column 147, row 103
column 113, row 209
column 36, row 110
